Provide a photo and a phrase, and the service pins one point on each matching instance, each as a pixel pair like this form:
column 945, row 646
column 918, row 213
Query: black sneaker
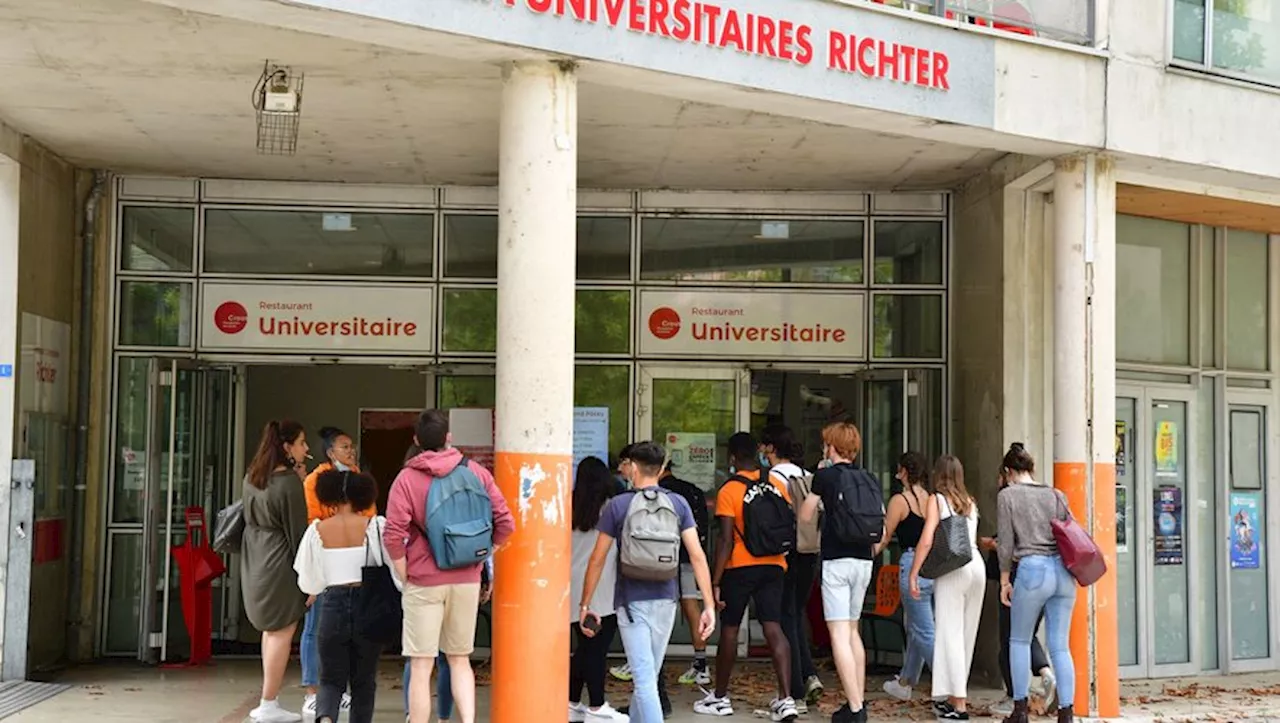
column 942, row 708
column 861, row 716
column 953, row 714
column 844, row 715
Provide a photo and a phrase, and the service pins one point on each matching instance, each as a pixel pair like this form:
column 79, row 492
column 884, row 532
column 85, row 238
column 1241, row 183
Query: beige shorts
column 440, row 619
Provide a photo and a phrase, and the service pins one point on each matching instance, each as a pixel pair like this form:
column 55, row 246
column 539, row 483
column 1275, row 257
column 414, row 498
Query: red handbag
column 1080, row 554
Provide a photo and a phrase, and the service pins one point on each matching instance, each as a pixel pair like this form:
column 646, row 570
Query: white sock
column 264, row 703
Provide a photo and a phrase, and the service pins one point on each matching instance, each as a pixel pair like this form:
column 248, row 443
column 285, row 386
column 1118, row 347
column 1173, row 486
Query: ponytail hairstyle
column 917, row 468
column 948, row 481
column 1018, row 459
column 270, row 454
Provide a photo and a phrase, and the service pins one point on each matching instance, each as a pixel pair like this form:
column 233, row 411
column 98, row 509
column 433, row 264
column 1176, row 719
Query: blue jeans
column 444, row 688
column 918, row 616
column 308, row 650
column 1042, row 584
column 645, row 627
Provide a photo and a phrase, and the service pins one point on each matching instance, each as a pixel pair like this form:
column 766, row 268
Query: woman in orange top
column 340, row 454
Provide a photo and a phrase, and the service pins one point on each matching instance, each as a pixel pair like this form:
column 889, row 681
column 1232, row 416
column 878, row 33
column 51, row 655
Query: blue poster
column 1168, row 519
column 590, row 434
column 1246, row 542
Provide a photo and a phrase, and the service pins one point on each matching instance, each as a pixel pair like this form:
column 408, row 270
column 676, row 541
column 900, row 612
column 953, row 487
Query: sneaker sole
column 716, row 713
column 813, row 696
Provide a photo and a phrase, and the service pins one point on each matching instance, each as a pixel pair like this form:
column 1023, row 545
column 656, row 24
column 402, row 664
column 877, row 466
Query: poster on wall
column 46, row 363
column 1246, row 533
column 1122, row 457
column 1122, row 519
column 1167, row 449
column 1168, row 525
column 590, row 434
column 693, row 457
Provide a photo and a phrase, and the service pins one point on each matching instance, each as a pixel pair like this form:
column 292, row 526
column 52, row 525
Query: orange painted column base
column 1072, row 480
column 531, row 591
column 1106, row 626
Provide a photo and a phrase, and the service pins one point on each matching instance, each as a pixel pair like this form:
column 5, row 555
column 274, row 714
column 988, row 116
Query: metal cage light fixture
column 277, row 99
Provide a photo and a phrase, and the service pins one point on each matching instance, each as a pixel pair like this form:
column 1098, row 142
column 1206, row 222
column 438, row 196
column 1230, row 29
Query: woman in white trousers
column 957, row 595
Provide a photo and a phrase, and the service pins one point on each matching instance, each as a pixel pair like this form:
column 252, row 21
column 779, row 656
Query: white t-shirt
column 785, row 471
column 602, row 601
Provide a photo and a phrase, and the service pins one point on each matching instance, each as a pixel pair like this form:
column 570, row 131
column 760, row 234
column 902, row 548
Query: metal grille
column 277, row 133
column 18, row 695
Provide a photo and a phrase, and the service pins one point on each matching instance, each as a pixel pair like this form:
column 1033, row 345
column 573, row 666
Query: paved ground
column 225, row 693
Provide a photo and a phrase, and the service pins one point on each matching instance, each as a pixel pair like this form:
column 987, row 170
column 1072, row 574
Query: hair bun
column 1017, row 447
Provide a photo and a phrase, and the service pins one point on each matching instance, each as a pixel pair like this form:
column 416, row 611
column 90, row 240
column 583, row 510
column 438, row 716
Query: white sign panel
column 590, row 434
column 755, row 324
column 316, row 317
column 46, row 366
column 693, row 457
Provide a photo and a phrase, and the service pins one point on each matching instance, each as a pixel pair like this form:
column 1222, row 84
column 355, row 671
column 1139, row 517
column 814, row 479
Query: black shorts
column 761, row 584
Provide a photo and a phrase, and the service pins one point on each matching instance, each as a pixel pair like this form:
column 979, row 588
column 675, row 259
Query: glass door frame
column 1144, row 535
column 1265, row 401
column 740, row 375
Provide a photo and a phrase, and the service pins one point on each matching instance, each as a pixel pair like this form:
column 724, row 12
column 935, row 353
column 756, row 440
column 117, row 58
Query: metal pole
column 537, row 207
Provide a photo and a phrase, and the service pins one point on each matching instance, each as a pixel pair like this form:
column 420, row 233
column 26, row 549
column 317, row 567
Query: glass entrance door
column 899, row 410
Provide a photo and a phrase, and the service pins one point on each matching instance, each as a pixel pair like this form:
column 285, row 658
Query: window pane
column 157, row 239
column 124, row 604
column 602, row 322
column 1246, row 37
column 689, row 249
column 1153, row 258
column 604, row 247
column 1246, row 300
column 466, row 391
column 908, row 252
column 155, row 313
column 606, row 385
column 133, row 448
column 471, row 247
column 470, row 320
column 1188, row 30
column 318, row 242
column 908, row 326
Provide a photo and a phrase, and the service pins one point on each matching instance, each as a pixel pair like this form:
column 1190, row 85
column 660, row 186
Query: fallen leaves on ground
column 1194, row 691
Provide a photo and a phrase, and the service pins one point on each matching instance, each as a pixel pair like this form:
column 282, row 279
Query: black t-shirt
column 697, row 502
column 827, row 484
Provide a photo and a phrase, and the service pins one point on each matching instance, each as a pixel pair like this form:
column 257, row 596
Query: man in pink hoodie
column 440, row 606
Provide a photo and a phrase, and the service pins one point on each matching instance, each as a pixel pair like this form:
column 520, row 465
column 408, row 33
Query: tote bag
column 951, row 549
column 1079, row 553
column 379, row 616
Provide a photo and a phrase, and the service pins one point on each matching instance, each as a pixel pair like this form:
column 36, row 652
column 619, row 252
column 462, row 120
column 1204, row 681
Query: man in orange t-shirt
column 740, row 578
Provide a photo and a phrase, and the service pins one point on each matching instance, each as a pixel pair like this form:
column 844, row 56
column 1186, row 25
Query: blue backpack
column 459, row 519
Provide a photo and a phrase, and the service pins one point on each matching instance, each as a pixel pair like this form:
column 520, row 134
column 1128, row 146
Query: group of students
column 314, row 549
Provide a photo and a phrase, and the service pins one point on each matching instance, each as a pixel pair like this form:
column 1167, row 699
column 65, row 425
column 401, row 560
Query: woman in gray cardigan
column 275, row 519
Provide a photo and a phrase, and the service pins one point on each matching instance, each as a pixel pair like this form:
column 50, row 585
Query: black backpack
column 857, row 517
column 768, row 522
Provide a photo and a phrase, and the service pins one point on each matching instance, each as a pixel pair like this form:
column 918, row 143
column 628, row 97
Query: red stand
column 198, row 567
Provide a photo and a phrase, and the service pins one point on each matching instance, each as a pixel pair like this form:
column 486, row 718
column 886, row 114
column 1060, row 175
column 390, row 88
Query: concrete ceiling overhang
column 147, row 87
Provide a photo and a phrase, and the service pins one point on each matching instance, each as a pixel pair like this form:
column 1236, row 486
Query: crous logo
column 230, row 317
column 664, row 322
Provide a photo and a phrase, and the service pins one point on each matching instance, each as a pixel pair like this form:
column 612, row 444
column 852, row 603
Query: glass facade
column 1240, row 38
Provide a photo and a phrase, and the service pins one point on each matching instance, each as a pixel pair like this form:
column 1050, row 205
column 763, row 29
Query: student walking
column 442, row 584
column 593, row 487
column 275, row 519
column 957, row 595
column 331, row 564
column 905, row 516
column 1027, row 510
column 781, row 453
column 648, row 525
column 853, row 523
column 757, row 531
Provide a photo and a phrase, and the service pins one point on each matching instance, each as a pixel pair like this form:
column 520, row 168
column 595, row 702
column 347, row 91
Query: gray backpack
column 649, row 548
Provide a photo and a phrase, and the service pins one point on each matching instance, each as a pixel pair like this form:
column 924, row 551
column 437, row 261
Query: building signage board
column 752, row 325
column 46, row 365
column 321, row 318
column 590, row 435
column 819, row 49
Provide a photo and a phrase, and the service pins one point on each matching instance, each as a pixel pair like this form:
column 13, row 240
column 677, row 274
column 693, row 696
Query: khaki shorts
column 439, row 619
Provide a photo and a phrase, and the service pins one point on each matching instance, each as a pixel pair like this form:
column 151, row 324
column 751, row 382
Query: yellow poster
column 1167, row 449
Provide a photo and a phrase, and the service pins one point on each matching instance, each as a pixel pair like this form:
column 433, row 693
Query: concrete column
column 10, row 182
column 1084, row 412
column 537, row 207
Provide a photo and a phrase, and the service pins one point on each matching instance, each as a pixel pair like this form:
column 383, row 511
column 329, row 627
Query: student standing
column 957, row 595
column 781, row 452
column 853, row 522
column 440, row 605
column 1026, row 513
column 906, row 517
column 646, row 590
column 757, row 530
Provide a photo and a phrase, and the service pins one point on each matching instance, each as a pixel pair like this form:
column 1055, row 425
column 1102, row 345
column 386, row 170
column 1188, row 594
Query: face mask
column 340, row 466
column 764, row 459
column 733, row 470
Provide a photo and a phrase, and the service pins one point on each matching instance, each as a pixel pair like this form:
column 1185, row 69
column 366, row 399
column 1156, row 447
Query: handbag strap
column 382, row 560
column 1060, row 504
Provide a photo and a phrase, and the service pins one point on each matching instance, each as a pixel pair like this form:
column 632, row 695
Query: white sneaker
column 895, row 688
column 802, row 707
column 1048, row 686
column 345, row 705
column 711, row 705
column 269, row 711
column 309, row 707
column 606, row 714
column 783, row 709
column 577, row 713
column 696, row 676
column 621, row 672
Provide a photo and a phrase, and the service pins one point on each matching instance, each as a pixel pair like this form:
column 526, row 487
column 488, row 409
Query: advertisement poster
column 1168, row 524
column 1122, row 458
column 693, row 457
column 590, row 434
column 1167, row 449
column 1246, row 543
column 1122, row 519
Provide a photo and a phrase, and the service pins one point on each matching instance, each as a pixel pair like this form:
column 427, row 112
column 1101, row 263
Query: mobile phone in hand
column 592, row 623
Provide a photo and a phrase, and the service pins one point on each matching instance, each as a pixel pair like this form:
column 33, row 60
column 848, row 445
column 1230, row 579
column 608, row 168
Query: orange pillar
column 537, row 209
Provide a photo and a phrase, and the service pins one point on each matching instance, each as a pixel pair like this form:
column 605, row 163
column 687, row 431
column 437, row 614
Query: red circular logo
column 664, row 322
column 231, row 317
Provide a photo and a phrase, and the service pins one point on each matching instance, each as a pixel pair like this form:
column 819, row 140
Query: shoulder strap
column 739, row 478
